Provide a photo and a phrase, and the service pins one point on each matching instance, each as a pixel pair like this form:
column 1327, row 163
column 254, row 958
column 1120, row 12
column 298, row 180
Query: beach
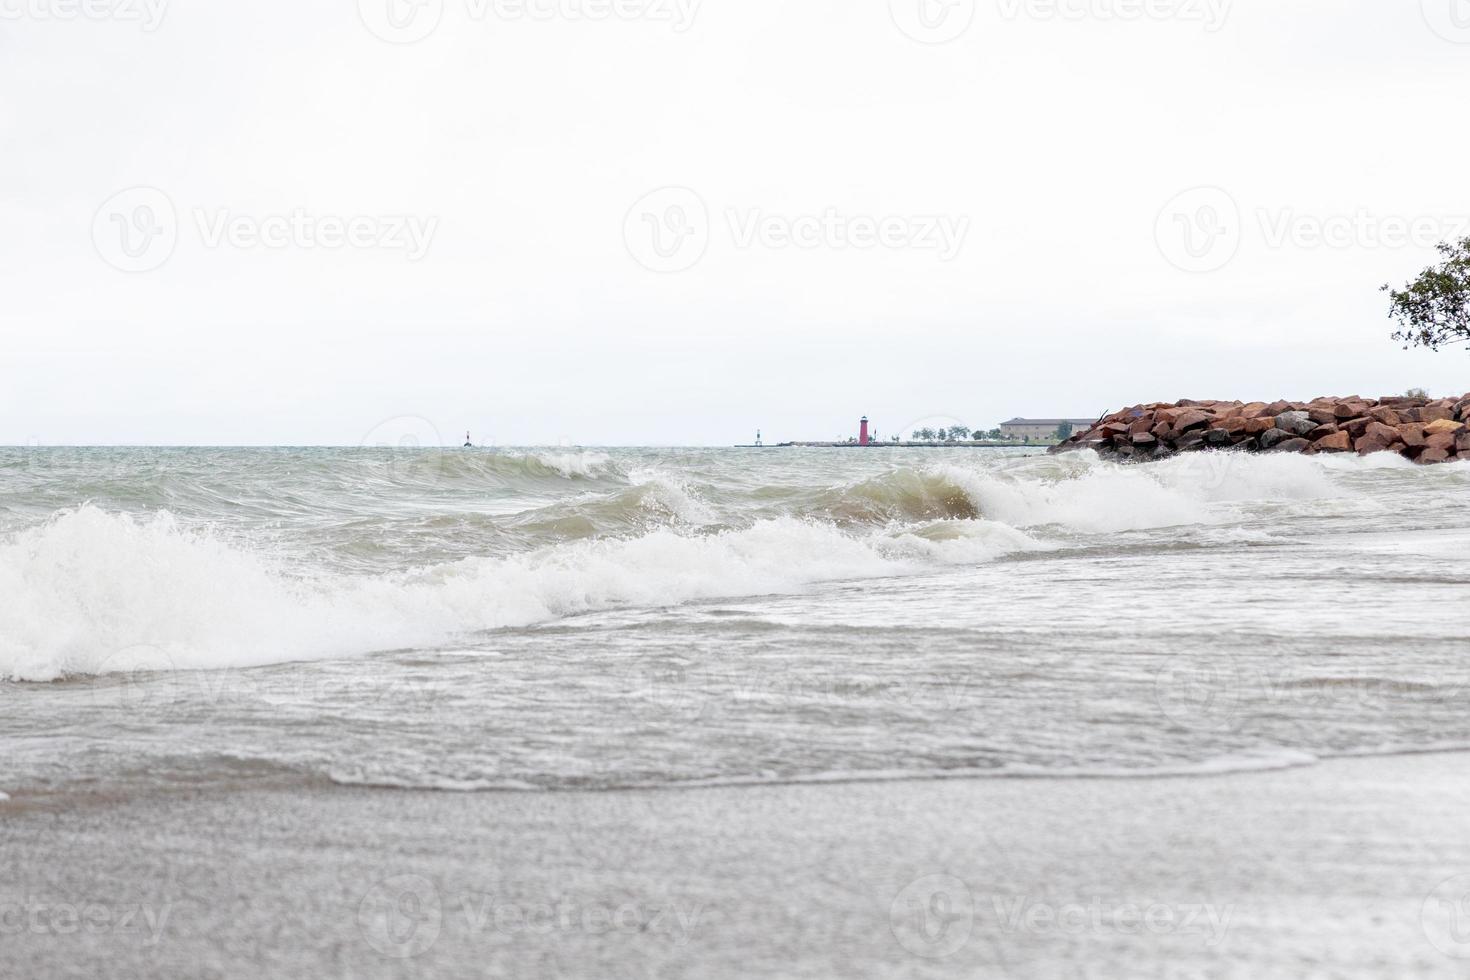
column 1310, row 872
column 718, row 713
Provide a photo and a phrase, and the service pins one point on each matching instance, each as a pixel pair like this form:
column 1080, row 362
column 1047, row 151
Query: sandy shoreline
column 1322, row 871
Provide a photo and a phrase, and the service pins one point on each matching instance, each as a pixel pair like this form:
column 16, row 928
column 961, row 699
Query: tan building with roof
column 1039, row 428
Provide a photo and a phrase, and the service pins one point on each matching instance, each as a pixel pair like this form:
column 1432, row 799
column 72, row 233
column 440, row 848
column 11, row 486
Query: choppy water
column 477, row 619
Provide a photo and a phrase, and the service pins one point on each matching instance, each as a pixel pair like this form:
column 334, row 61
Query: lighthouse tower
column 863, row 431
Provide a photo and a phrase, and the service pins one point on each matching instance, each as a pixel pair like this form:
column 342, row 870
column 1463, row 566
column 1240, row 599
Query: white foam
column 571, row 464
column 1083, row 493
column 671, row 494
column 92, row 592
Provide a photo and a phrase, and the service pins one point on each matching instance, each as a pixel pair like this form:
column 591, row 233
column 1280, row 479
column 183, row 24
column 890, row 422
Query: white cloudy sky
column 530, row 146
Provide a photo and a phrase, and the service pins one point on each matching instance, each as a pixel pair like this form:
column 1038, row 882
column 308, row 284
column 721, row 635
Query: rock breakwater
column 1425, row 430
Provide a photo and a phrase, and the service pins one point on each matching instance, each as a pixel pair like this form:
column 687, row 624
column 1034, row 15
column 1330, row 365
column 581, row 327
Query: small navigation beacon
column 467, row 443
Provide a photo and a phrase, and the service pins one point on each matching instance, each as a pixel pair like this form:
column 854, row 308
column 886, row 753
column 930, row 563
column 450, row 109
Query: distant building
column 1040, row 428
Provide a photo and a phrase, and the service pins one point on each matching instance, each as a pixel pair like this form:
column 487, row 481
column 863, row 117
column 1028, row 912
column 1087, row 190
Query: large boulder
column 1322, row 414
column 1378, row 430
column 1295, row 445
column 1297, row 423
column 1273, row 437
column 1190, row 420
column 1217, row 437
column 1376, row 438
column 1411, row 434
column 1440, row 440
column 1443, row 425
column 1336, row 442
column 1385, row 415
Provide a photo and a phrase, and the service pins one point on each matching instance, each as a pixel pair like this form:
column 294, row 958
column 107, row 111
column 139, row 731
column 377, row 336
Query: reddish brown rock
column 1366, row 444
column 1322, row 416
column 1191, row 420
column 1386, row 433
column 1440, row 440
column 1430, row 431
column 1337, row 442
column 1385, row 415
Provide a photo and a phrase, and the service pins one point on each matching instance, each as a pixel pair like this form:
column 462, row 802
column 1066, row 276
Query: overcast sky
column 674, row 221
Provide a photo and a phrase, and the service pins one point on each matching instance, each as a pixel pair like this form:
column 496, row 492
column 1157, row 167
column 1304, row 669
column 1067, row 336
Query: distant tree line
column 958, row 433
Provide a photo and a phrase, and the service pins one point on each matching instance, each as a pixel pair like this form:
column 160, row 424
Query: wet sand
column 1329, row 870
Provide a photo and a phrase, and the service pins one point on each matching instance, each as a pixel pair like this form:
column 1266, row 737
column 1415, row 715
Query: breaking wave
column 92, row 590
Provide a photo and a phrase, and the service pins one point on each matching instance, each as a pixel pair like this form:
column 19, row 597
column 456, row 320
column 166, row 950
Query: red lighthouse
column 863, row 431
